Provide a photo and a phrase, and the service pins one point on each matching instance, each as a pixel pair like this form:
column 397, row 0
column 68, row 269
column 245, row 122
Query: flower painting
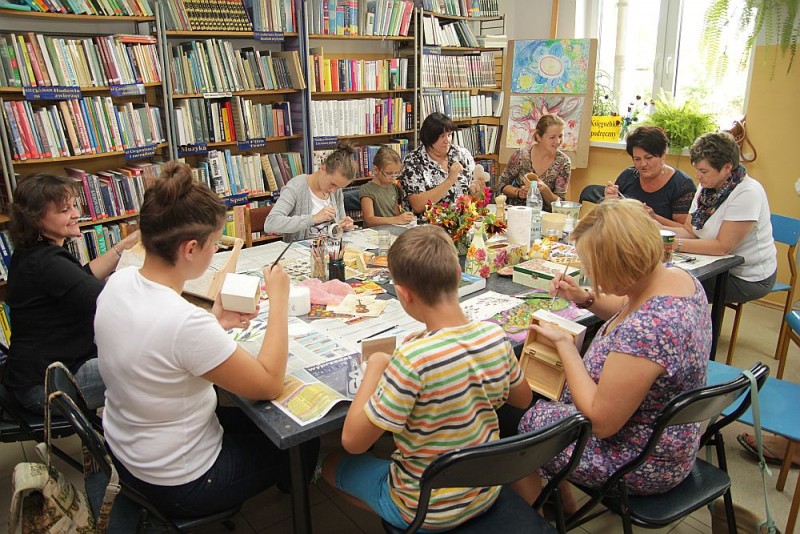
column 550, row 66
column 524, row 112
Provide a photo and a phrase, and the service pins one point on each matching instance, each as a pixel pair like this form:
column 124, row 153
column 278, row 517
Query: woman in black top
column 51, row 296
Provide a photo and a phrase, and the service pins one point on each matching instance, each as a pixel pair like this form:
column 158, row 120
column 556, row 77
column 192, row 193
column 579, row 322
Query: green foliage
column 683, row 122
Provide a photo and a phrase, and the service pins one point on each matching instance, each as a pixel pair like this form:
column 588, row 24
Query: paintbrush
column 553, row 302
column 274, row 263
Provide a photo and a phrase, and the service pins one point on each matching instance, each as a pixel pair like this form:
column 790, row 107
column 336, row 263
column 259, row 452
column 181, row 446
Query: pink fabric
column 331, row 292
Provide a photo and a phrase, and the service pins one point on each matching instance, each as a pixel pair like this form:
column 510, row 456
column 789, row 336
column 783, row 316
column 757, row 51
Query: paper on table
column 684, row 260
column 488, row 304
column 359, row 306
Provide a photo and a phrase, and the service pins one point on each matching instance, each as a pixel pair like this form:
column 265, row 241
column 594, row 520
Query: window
column 646, row 46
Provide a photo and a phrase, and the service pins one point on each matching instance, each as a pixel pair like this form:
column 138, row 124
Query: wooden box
column 540, row 362
column 240, row 293
column 538, row 273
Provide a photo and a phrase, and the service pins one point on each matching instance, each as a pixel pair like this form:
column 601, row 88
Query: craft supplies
column 299, row 301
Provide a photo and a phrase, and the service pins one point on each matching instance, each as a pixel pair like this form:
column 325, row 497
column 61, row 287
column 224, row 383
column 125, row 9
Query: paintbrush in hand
column 274, row 263
column 553, row 302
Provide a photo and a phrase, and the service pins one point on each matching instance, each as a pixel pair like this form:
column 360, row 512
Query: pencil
column 553, row 302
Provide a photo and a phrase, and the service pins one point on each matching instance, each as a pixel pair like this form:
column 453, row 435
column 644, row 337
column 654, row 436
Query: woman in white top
column 730, row 215
column 160, row 357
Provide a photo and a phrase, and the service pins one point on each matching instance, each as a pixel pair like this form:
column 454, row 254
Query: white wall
column 530, row 19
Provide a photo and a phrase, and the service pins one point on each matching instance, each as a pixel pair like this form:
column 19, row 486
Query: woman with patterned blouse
column 545, row 159
column 437, row 171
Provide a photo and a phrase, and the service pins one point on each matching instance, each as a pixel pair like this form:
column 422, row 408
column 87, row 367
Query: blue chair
column 785, row 230
column 790, row 330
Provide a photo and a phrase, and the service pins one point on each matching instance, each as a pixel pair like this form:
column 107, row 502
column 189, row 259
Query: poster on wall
column 550, row 66
column 525, row 110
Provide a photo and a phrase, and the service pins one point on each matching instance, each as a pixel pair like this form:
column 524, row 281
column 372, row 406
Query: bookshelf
column 81, row 95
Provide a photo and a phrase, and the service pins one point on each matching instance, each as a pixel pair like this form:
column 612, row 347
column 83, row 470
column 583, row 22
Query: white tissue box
column 240, row 293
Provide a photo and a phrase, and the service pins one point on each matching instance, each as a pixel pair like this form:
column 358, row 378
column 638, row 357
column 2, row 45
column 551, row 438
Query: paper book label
column 251, row 144
column 432, row 50
column 326, row 141
column 239, row 199
column 129, row 89
column 194, row 149
column 140, row 152
column 52, row 93
column 268, row 36
column 220, row 94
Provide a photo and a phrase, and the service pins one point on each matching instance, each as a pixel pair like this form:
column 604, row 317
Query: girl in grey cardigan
column 311, row 202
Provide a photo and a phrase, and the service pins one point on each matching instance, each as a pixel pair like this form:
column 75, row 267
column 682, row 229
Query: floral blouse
column 421, row 173
column 556, row 176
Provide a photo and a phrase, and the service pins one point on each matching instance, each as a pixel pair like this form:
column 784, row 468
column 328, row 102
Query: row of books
column 237, row 119
column 364, row 156
column 458, row 71
column 6, row 250
column 333, row 75
column 89, row 125
column 460, row 104
column 213, row 65
column 361, row 116
column 462, row 8
column 274, row 16
column 360, row 17
column 5, row 327
column 231, row 174
column 36, row 60
column 477, row 138
column 98, row 239
column 108, row 193
column 109, row 8
column 456, row 33
column 199, row 15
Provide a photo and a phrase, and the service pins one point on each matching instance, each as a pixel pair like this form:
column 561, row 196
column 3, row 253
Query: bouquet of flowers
column 457, row 218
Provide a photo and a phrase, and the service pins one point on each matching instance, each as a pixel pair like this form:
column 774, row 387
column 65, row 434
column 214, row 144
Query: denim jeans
column 248, row 464
column 88, row 379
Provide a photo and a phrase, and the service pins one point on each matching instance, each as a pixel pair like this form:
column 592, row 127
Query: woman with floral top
column 437, row 171
column 545, row 160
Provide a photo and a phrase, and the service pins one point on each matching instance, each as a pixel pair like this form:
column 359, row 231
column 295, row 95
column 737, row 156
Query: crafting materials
column 274, row 263
column 299, row 301
column 553, row 302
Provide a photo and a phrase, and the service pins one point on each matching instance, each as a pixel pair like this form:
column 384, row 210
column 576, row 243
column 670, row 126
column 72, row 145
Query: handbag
column 739, row 132
column 44, row 501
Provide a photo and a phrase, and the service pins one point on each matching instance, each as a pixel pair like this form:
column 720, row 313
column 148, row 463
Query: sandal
column 770, row 456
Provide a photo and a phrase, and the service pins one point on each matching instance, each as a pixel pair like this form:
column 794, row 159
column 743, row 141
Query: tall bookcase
column 85, row 103
column 462, row 77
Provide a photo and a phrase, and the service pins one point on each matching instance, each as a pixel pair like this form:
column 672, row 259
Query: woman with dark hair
column 665, row 191
column 437, row 170
column 310, row 203
column 544, row 159
column 168, row 437
column 51, row 296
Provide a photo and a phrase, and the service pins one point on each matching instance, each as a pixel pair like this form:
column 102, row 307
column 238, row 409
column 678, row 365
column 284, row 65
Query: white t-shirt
column 153, row 346
column 747, row 202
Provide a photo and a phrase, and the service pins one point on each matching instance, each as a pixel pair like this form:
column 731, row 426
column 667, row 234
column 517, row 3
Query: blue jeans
column 248, row 464
column 88, row 379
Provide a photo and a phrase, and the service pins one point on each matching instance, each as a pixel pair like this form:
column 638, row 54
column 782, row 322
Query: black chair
column 18, row 424
column 502, row 462
column 352, row 200
column 132, row 511
column 705, row 483
column 593, row 193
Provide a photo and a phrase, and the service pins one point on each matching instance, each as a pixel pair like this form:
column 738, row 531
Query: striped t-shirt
column 439, row 393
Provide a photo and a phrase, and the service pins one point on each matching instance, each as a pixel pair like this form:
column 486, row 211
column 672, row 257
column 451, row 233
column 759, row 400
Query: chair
column 131, row 508
column 790, row 331
column 502, row 462
column 785, row 230
column 593, row 193
column 254, row 222
column 704, row 484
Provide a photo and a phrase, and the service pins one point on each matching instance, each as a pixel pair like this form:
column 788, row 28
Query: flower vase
column 477, row 261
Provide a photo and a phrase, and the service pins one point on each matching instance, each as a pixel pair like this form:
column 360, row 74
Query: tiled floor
column 270, row 512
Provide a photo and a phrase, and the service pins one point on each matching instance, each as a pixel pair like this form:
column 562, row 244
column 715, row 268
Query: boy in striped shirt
column 436, row 393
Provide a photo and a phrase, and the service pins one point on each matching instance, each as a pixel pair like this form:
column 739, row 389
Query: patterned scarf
column 711, row 199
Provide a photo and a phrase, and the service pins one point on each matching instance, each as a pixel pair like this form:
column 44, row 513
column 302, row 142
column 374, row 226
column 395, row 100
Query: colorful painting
column 550, row 66
column 524, row 112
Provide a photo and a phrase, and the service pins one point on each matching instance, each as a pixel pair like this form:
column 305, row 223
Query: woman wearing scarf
column 730, row 215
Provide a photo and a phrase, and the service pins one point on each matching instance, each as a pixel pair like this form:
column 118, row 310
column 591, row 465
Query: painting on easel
column 524, row 112
column 550, row 66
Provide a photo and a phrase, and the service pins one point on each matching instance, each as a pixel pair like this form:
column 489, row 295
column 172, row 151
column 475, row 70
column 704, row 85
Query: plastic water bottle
column 534, row 202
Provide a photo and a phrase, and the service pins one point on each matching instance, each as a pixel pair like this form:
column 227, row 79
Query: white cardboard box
column 240, row 293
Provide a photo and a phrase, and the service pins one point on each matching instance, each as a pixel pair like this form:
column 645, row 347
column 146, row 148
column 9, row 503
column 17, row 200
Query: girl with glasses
column 380, row 197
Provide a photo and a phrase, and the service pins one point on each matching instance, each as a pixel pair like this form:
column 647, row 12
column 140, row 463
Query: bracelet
column 678, row 245
column 117, row 250
column 589, row 300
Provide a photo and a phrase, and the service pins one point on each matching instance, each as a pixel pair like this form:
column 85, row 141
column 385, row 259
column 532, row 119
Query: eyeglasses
column 394, row 175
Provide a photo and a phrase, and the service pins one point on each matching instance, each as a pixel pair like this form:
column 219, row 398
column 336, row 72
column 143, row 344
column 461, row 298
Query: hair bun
column 175, row 182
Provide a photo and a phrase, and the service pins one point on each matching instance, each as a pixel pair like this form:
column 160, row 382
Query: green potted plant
column 683, row 122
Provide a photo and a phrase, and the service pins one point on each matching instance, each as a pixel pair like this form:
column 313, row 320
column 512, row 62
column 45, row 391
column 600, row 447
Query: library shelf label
column 140, row 152
column 251, row 144
column 194, row 149
column 238, row 199
column 325, row 141
column 128, row 89
column 268, row 36
column 52, row 93
column 219, row 94
column 432, row 50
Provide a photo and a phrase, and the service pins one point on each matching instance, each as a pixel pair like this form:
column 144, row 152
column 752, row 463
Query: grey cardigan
column 291, row 215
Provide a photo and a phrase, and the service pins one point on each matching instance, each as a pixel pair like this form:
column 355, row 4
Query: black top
column 674, row 198
column 52, row 301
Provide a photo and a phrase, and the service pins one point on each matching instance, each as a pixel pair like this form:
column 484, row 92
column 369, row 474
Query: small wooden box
column 538, row 273
column 540, row 362
column 240, row 293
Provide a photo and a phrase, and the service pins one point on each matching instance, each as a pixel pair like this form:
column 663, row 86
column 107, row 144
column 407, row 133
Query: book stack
column 110, row 8
column 231, row 174
column 213, row 65
column 6, row 250
column 98, row 239
column 493, row 41
column 457, row 33
column 360, row 17
column 36, row 60
column 462, row 8
column 360, row 116
column 458, row 71
column 334, row 75
column 235, row 119
column 460, row 104
column 477, row 138
column 204, row 15
column 274, row 16
column 108, row 193
column 90, row 125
